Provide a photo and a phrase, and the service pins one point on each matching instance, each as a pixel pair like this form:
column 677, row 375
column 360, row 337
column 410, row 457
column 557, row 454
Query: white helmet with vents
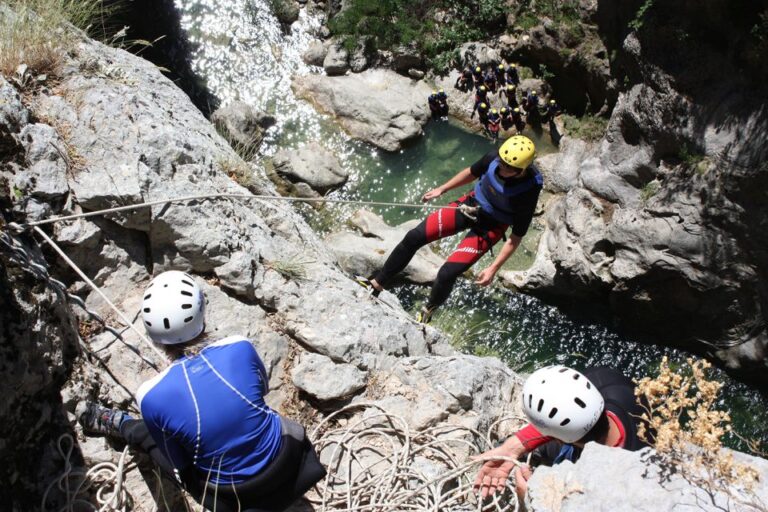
column 173, row 309
column 562, row 403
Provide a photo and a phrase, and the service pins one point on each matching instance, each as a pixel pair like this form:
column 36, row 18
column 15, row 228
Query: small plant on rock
column 293, row 267
column 238, row 171
column 683, row 425
column 649, row 190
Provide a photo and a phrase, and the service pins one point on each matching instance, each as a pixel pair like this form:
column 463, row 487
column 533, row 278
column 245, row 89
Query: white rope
column 95, row 288
column 106, row 478
column 137, row 206
column 373, row 462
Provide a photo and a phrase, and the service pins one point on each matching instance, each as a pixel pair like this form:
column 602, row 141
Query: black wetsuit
column 483, row 233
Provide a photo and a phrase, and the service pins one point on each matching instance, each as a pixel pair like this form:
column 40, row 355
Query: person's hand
column 493, row 474
column 435, row 192
column 522, row 474
column 485, row 277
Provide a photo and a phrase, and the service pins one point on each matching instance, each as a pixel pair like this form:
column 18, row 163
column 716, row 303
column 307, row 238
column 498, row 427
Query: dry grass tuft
column 34, row 36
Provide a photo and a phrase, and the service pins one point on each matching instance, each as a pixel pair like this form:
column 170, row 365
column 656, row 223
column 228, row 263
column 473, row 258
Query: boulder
column 325, row 380
column 478, row 54
column 377, row 106
column 336, row 60
column 358, row 61
column 405, row 58
column 364, row 253
column 311, row 164
column 315, row 53
column 242, row 123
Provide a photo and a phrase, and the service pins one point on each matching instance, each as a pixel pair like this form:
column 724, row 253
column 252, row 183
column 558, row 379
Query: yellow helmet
column 552, row 102
column 483, row 105
column 518, row 151
column 441, row 90
column 481, row 88
column 477, row 69
column 513, row 65
column 516, row 110
column 533, row 93
column 501, row 66
column 493, row 111
column 510, row 87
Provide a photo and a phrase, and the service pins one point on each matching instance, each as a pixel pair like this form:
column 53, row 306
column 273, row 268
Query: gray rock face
column 365, row 253
column 457, row 389
column 664, row 244
column 38, row 347
column 644, row 485
column 336, row 60
column 325, row 380
column 386, row 120
column 242, row 123
column 311, row 164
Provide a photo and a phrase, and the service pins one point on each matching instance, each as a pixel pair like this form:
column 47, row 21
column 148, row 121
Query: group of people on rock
column 204, row 420
column 513, row 113
column 205, row 423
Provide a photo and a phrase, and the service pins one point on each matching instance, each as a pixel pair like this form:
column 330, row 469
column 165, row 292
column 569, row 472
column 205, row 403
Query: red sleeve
column 531, row 438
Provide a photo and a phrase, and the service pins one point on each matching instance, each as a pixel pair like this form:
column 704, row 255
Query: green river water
column 243, row 54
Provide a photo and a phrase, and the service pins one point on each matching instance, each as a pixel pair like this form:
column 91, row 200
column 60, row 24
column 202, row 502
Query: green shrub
column 393, row 23
column 588, row 127
column 649, row 190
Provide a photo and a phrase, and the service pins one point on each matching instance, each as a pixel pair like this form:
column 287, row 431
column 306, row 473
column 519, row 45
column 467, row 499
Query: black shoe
column 368, row 285
column 424, row 316
column 97, row 419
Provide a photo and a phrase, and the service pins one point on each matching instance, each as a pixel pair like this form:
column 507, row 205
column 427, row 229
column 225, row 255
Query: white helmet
column 562, row 403
column 173, row 309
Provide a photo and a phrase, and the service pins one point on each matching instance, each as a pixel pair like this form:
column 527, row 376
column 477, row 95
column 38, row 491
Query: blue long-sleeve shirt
column 209, row 411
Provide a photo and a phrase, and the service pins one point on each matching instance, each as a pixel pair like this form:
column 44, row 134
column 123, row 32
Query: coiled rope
column 106, row 478
column 375, row 463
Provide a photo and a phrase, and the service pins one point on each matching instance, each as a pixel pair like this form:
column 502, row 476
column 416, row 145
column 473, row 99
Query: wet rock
column 336, row 61
column 416, row 74
column 286, row 11
column 242, row 123
column 325, row 380
column 365, row 253
column 385, row 120
column 311, row 164
column 315, row 54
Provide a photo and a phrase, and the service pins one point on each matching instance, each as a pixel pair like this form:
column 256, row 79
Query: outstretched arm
column 510, row 246
column 462, row 178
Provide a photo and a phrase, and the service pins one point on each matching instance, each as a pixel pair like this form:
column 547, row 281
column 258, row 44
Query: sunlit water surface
column 243, row 54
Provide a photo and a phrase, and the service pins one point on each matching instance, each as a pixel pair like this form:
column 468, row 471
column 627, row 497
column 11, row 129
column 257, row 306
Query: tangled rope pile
column 104, row 481
column 376, row 463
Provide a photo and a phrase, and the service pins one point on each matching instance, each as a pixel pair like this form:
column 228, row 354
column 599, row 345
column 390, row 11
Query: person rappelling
column 204, row 419
column 505, row 195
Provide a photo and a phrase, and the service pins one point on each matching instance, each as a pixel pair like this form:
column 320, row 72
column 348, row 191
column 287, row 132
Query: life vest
column 495, row 198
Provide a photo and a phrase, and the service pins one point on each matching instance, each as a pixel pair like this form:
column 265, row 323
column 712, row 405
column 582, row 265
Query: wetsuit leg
column 439, row 224
column 477, row 242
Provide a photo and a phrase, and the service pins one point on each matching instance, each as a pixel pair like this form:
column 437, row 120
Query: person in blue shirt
column 506, row 192
column 204, row 418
